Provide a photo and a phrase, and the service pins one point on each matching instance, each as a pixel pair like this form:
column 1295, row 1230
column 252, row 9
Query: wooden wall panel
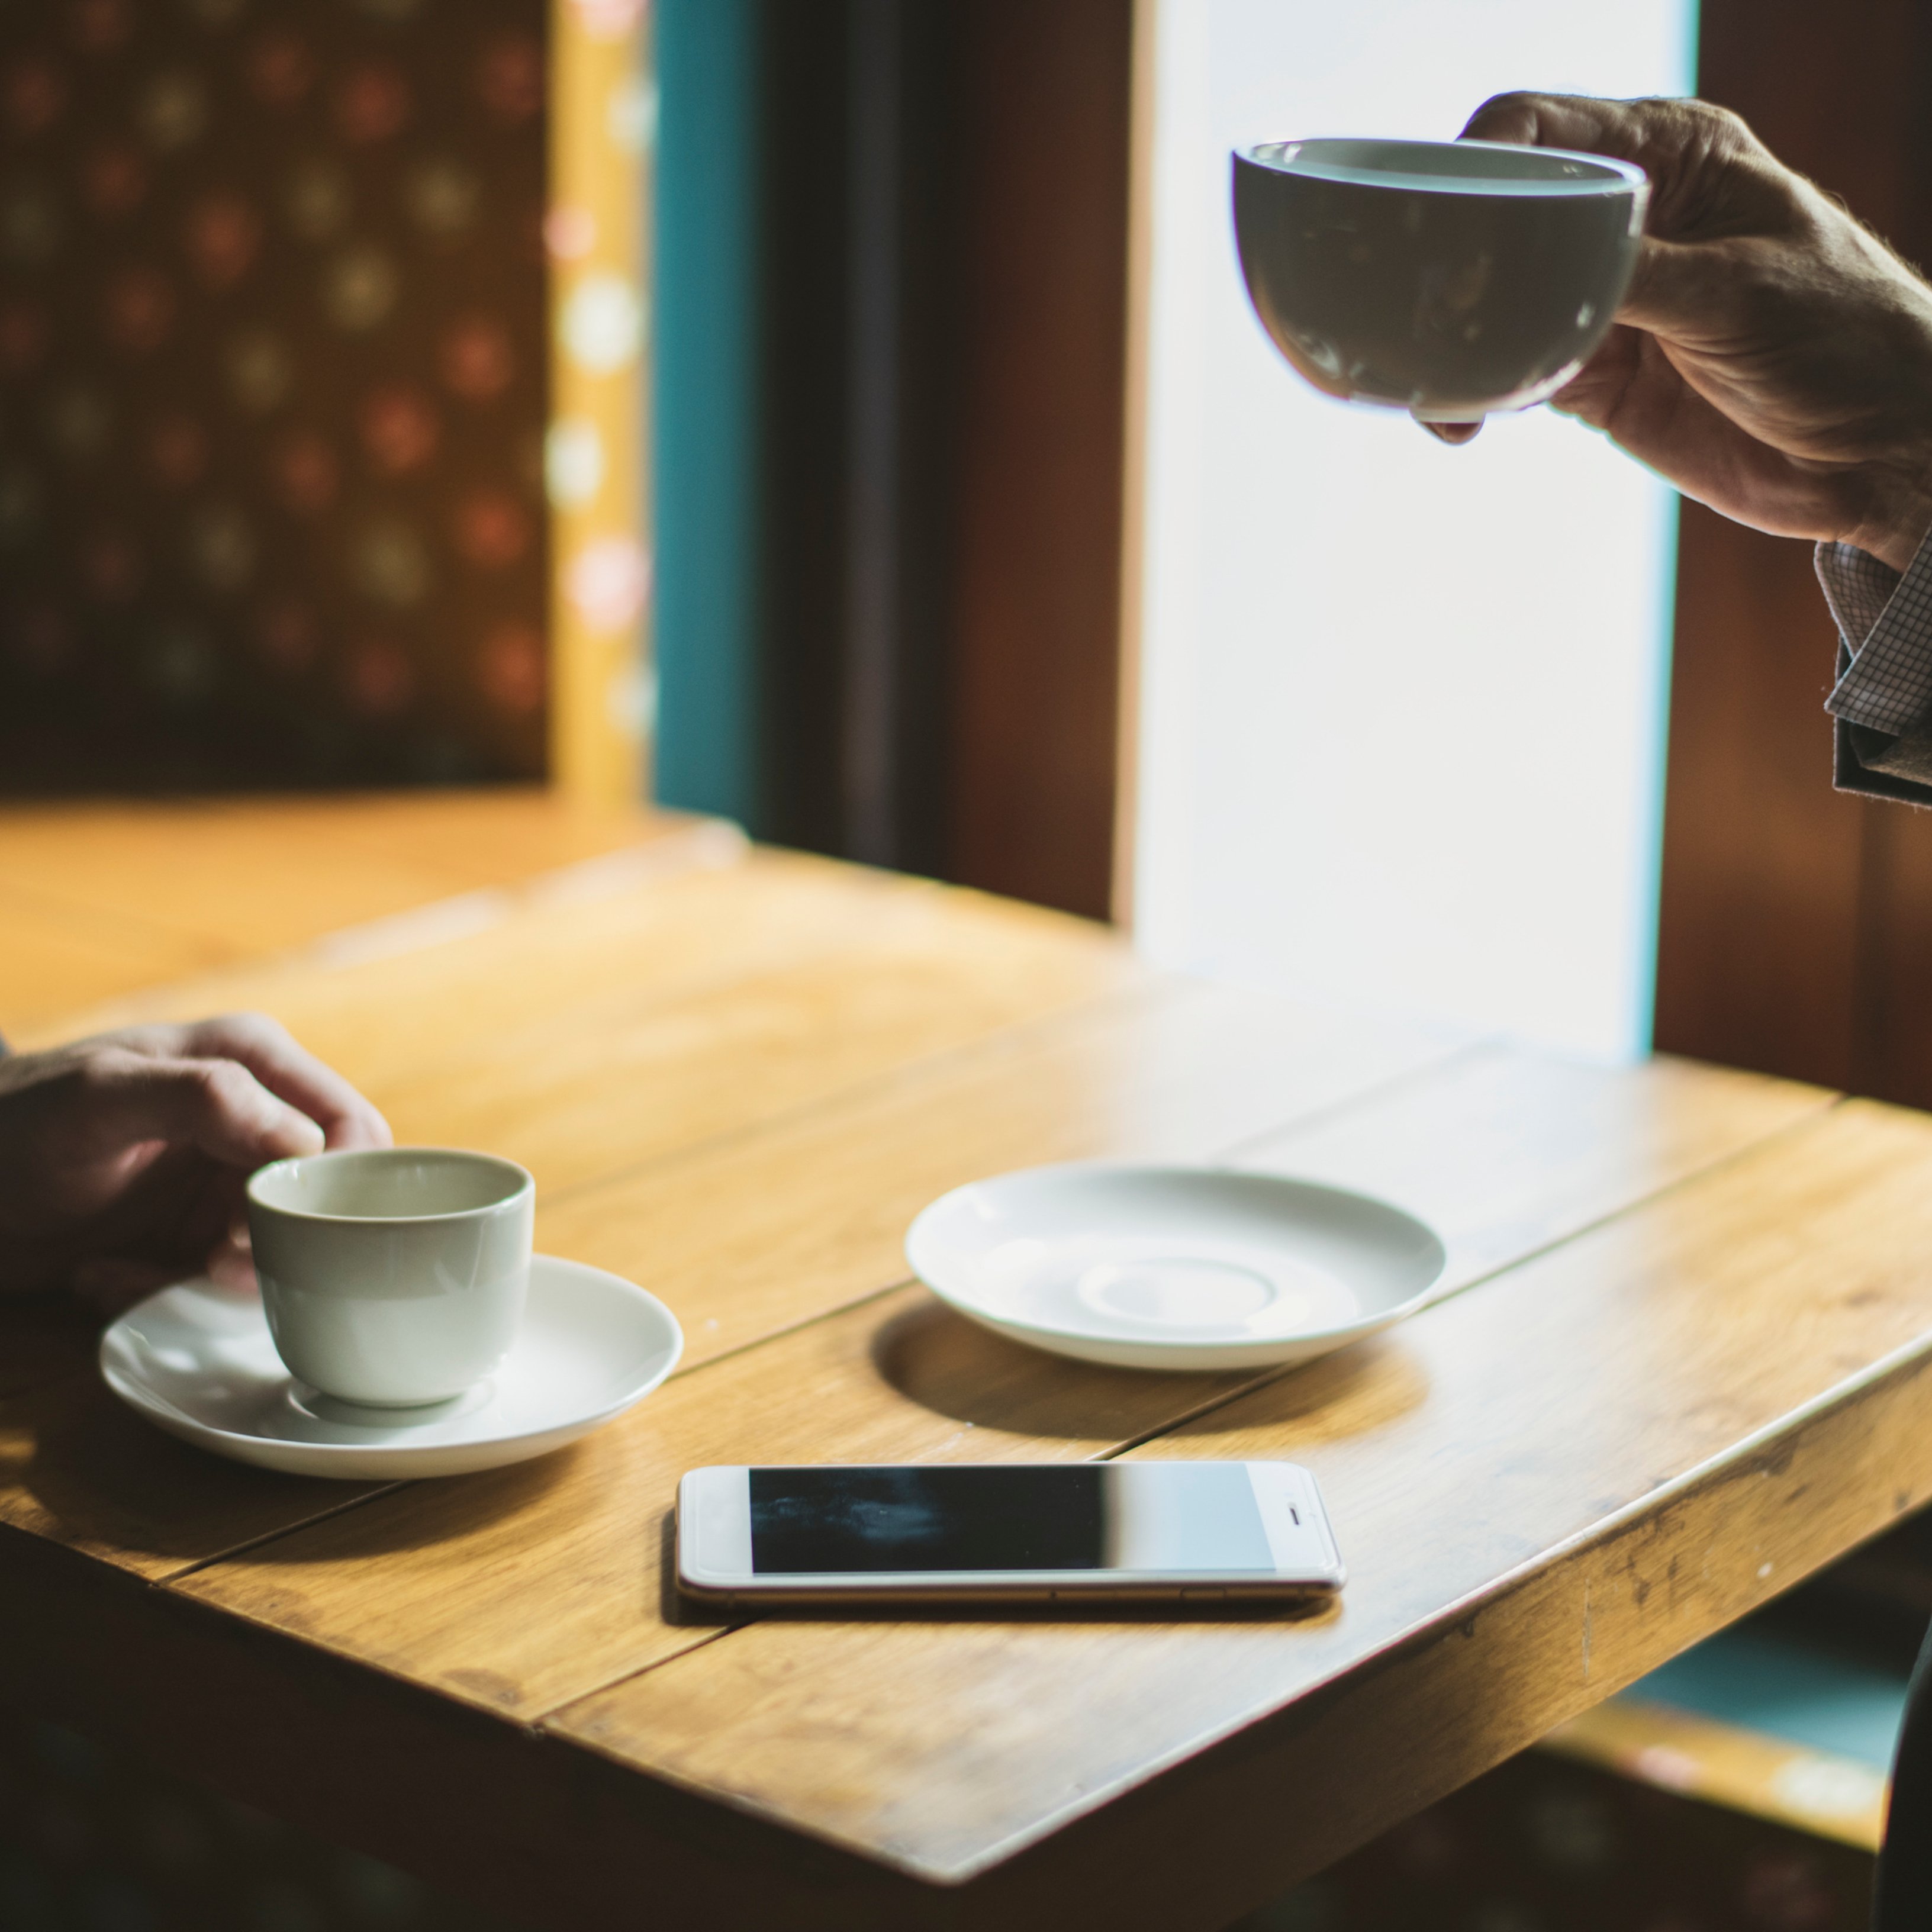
column 1796, row 924
column 1758, row 929
column 1044, row 107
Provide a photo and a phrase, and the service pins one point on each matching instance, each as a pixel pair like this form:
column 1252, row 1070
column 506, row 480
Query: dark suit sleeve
column 1881, row 766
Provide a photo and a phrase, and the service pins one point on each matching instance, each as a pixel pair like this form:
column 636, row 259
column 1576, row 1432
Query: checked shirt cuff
column 1882, row 699
column 1886, row 622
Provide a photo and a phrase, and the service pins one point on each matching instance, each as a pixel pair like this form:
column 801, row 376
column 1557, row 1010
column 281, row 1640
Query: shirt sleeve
column 1882, row 698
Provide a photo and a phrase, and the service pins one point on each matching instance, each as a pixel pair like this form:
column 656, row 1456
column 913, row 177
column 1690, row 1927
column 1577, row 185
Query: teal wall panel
column 705, row 405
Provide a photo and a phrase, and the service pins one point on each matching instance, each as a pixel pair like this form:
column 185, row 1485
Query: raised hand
column 1773, row 358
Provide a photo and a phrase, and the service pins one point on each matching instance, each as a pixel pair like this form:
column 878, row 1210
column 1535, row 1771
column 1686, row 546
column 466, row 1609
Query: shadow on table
column 685, row 1612
column 44, row 1338
column 98, row 1476
column 949, row 1365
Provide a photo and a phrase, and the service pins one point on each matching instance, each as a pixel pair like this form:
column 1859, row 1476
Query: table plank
column 1543, row 1489
column 78, row 1468
column 1115, row 1065
column 251, row 875
column 1504, row 1150
column 523, row 1587
column 897, row 1379
column 55, row 957
column 330, row 974
column 615, row 1081
column 588, row 1037
column 738, row 1084
column 750, row 1236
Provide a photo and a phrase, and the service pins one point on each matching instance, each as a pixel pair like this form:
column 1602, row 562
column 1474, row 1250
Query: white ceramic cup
column 1449, row 278
column 394, row 1276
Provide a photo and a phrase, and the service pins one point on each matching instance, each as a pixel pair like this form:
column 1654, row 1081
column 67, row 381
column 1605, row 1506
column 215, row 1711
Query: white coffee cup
column 396, row 1276
column 1449, row 278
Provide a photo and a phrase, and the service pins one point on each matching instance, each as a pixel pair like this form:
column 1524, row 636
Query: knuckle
column 248, row 1026
column 1725, row 133
column 1513, row 107
column 225, row 1084
column 98, row 1070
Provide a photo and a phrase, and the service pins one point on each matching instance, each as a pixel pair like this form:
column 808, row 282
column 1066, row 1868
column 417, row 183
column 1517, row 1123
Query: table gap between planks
column 1689, row 1365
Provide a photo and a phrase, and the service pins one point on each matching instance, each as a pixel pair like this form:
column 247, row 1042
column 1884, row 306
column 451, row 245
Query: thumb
column 1675, row 290
column 216, row 1106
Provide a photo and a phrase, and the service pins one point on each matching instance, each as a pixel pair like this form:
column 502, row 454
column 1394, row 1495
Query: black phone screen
column 1164, row 1517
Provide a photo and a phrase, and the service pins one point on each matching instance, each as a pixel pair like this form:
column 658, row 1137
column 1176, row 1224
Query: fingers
column 232, row 1263
column 1659, row 136
column 128, row 1099
column 1623, row 129
column 266, row 1048
column 1691, row 292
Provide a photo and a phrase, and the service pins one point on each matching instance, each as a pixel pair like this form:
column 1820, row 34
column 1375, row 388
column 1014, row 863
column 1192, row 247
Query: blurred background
column 340, row 345
column 843, row 417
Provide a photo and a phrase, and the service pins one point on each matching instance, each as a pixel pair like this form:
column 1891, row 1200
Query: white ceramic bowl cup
column 1449, row 278
column 393, row 1276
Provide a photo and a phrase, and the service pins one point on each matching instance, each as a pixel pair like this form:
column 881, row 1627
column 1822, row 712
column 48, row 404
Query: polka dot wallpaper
column 272, row 392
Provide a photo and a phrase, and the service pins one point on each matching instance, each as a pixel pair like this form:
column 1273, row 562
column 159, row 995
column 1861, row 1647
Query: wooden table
column 1690, row 1365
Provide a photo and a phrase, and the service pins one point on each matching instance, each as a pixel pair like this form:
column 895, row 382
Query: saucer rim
column 1228, row 1350
column 191, row 1428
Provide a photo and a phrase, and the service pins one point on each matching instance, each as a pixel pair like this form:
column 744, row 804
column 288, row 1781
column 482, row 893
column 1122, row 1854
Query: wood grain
column 78, row 1468
column 588, row 1038
column 897, row 1379
column 751, row 1236
column 56, row 956
column 519, row 1822
column 1698, row 1362
column 397, row 1000
column 523, row 1588
column 1551, row 1485
column 1502, row 1150
column 249, row 876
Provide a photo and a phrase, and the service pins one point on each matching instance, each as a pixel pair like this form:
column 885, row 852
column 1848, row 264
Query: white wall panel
column 1401, row 705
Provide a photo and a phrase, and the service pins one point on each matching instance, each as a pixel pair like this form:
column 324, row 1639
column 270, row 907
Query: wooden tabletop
column 1690, row 1365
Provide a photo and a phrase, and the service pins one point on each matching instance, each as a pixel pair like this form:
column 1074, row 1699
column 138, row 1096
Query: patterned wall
column 272, row 392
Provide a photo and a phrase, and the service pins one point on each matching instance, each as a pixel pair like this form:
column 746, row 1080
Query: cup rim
column 525, row 1187
column 1609, row 174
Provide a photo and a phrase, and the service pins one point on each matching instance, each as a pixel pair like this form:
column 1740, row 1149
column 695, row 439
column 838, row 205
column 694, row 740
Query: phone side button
column 1203, row 1596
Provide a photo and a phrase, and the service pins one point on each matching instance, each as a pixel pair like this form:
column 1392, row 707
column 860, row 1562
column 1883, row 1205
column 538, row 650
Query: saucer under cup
column 198, row 1360
column 1173, row 1267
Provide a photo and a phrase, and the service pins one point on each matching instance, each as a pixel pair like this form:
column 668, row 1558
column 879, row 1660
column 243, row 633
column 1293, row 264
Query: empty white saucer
column 1173, row 1267
column 197, row 1359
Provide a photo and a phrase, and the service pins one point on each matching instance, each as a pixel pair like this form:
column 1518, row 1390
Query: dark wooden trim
column 1795, row 928
column 1045, row 150
column 945, row 210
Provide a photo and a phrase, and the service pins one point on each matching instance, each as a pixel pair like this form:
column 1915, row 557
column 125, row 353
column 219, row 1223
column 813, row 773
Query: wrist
column 1899, row 521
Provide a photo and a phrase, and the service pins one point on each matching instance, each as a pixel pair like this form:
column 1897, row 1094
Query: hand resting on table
column 1773, row 359
column 123, row 1157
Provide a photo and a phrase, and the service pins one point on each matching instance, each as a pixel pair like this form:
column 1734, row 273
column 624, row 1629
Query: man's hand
column 1773, row 359
column 123, row 1158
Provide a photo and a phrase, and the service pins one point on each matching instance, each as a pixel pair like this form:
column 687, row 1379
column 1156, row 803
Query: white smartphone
column 1013, row 1532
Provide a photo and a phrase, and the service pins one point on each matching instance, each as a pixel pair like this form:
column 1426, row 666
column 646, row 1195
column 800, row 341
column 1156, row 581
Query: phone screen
column 1161, row 1516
